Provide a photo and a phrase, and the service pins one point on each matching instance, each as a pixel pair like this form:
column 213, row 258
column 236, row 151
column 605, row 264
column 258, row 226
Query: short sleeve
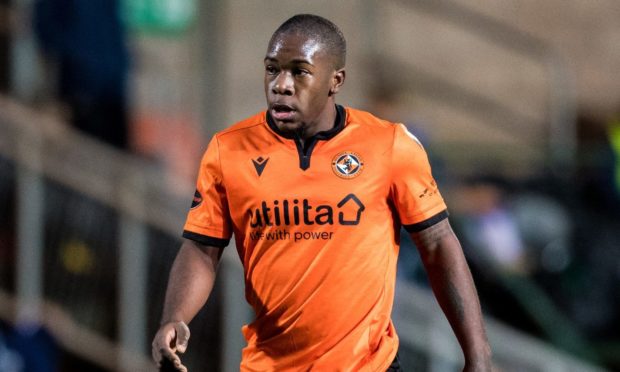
column 208, row 220
column 413, row 189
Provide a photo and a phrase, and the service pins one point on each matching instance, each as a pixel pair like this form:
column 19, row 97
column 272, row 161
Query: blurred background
column 106, row 107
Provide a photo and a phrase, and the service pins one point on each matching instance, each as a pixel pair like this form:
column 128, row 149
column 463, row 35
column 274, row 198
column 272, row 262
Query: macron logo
column 259, row 164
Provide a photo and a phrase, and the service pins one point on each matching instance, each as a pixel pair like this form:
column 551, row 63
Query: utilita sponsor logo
column 300, row 212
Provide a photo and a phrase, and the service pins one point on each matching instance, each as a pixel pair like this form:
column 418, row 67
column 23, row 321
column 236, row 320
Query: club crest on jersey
column 347, row 165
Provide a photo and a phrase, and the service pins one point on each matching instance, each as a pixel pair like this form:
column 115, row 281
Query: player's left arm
column 454, row 289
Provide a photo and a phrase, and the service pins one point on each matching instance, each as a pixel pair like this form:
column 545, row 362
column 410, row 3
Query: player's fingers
column 155, row 354
column 182, row 336
column 180, row 367
column 161, row 343
column 156, row 348
column 171, row 356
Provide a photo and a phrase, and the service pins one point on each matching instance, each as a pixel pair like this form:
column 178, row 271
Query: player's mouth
column 282, row 112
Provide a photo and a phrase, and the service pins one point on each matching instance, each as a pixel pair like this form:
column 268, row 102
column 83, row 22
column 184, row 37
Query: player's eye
column 300, row 72
column 270, row 69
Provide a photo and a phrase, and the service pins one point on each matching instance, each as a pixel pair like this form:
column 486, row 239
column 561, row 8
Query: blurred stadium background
column 517, row 102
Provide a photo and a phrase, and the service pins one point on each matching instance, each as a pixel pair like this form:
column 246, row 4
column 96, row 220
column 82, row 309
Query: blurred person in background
column 315, row 194
column 5, row 37
column 84, row 40
column 493, row 245
column 27, row 349
column 595, row 275
column 490, row 228
column 613, row 133
column 520, row 244
column 598, row 154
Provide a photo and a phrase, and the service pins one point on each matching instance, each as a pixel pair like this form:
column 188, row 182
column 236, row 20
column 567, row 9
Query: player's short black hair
column 321, row 29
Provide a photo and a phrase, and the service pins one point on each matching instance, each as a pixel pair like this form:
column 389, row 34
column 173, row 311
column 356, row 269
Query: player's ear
column 337, row 81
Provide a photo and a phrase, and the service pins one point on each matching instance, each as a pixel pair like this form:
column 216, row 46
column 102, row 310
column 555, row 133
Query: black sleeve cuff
column 205, row 239
column 417, row 227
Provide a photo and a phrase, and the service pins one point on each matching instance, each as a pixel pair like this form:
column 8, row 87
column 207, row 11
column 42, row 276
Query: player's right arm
column 190, row 283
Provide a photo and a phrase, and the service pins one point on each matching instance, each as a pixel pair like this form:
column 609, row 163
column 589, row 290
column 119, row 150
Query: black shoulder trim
column 417, row 227
column 205, row 239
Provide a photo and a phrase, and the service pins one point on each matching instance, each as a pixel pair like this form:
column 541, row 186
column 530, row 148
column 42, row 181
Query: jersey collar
column 339, row 124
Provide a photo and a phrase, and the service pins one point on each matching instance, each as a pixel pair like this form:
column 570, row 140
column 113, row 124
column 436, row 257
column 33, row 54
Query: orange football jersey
column 317, row 229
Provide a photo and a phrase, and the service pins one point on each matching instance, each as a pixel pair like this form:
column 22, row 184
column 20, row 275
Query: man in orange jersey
column 315, row 194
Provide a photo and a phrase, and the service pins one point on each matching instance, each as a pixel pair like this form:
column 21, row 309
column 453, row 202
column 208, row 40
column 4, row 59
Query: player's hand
column 171, row 339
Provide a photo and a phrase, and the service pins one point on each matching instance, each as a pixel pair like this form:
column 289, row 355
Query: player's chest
column 287, row 184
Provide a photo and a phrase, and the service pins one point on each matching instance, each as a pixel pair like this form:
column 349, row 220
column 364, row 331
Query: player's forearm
column 453, row 286
column 191, row 280
column 454, row 289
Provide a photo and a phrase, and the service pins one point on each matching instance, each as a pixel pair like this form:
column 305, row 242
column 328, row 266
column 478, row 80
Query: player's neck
column 326, row 121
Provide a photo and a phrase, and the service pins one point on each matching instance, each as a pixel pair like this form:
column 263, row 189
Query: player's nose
column 283, row 84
